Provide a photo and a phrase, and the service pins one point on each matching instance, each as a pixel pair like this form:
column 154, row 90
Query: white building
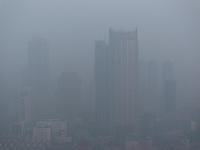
column 42, row 132
column 56, row 125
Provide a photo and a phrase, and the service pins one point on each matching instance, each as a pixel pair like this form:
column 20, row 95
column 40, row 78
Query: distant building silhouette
column 17, row 128
column 152, row 82
column 167, row 70
column 116, row 80
column 56, row 125
column 147, row 125
column 26, row 101
column 42, row 132
column 170, row 94
column 169, row 86
column 69, row 90
column 102, row 85
column 142, row 82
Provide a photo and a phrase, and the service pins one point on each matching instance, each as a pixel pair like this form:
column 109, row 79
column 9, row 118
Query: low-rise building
column 42, row 132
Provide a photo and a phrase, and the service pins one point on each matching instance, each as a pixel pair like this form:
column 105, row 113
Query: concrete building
column 26, row 99
column 116, row 81
column 38, row 74
column 142, row 82
column 69, row 90
column 170, row 94
column 102, row 85
column 42, row 132
column 17, row 128
column 56, row 125
column 22, row 128
column 152, row 83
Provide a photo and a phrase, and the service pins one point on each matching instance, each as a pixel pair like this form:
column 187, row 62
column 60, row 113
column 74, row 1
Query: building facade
column 152, row 83
column 116, row 81
column 26, row 100
column 42, row 132
column 69, row 90
column 169, row 86
column 56, row 125
column 102, row 85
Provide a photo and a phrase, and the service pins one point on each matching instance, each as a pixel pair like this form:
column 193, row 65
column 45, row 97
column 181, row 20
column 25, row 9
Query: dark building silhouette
column 69, row 90
column 116, row 80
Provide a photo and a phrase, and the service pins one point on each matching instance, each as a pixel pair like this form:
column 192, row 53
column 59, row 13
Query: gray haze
column 167, row 30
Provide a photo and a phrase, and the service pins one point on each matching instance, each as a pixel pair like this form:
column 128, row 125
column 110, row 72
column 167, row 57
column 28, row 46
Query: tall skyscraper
column 38, row 66
column 116, row 79
column 26, row 103
column 69, row 87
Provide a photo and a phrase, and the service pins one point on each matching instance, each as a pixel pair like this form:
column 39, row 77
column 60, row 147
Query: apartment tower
column 69, row 90
column 116, row 81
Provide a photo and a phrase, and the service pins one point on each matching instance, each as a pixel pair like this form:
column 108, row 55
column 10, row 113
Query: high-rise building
column 69, row 90
column 38, row 65
column 116, row 81
column 26, row 108
column 142, row 82
column 102, row 85
column 170, row 94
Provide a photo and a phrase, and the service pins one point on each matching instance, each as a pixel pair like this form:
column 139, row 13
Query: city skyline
column 165, row 36
column 134, row 87
column 118, row 113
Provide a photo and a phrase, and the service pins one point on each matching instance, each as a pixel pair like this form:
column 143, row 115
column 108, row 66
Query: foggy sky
column 167, row 30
